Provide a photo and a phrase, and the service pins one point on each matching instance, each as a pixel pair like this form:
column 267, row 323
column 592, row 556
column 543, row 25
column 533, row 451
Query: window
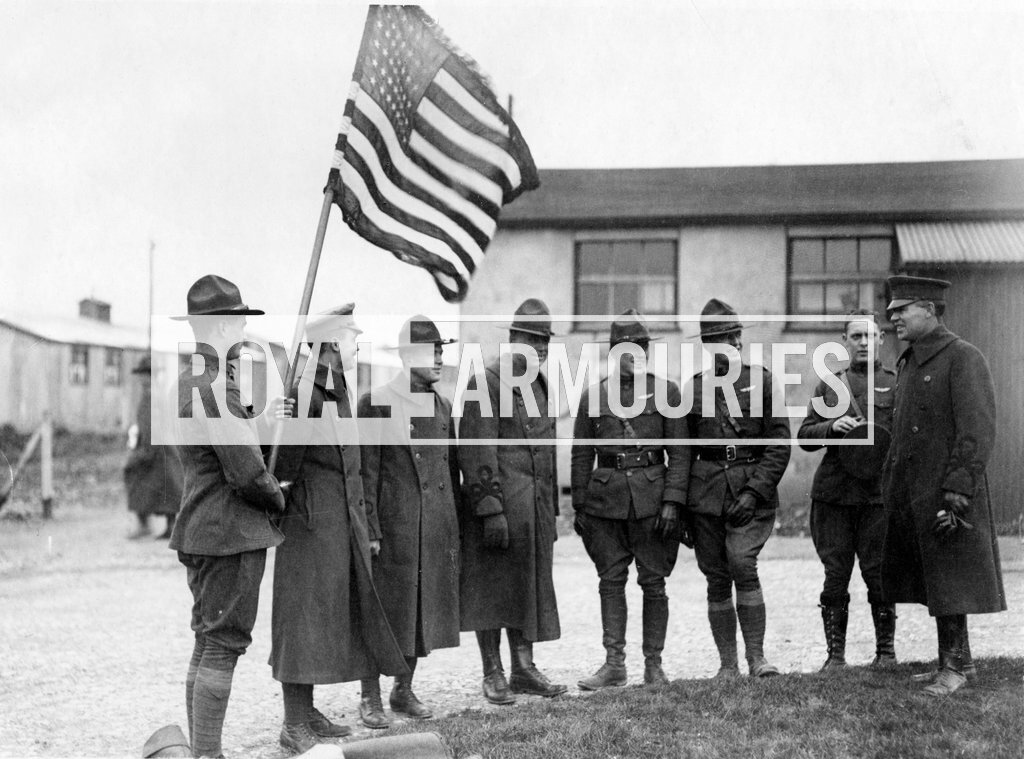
column 613, row 275
column 836, row 274
column 78, row 371
column 112, row 367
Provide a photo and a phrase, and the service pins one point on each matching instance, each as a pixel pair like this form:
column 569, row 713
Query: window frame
column 661, row 322
column 76, row 378
column 824, row 235
column 107, row 366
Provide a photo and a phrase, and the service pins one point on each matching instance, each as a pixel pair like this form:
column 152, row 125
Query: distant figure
column 153, row 473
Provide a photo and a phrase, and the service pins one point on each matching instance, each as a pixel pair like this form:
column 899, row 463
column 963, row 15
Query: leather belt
column 742, row 453
column 630, row 459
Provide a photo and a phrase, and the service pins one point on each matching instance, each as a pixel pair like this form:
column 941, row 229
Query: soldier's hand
column 741, row 511
column 374, row 547
column 496, row 531
column 844, row 424
column 578, row 522
column 668, row 519
column 282, row 408
column 958, row 503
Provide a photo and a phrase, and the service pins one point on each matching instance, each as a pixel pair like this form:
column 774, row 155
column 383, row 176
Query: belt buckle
column 730, row 453
column 620, row 460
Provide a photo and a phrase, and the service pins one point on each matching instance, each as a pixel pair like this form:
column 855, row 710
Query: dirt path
column 94, row 637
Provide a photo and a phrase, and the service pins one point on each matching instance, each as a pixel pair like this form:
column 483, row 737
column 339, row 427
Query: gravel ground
column 94, row 637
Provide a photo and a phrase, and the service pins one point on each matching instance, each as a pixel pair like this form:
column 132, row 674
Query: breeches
column 613, row 544
column 727, row 555
column 842, row 534
column 225, row 595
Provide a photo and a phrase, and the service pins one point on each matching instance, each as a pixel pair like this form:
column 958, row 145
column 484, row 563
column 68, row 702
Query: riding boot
column 371, row 710
column 613, row 623
column 495, row 687
column 655, row 618
column 403, row 700
column 835, row 619
column 722, row 617
column 952, row 634
column 752, row 616
column 884, row 617
column 525, row 677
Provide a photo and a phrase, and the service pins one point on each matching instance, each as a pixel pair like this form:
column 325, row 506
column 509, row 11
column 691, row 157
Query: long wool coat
column 153, row 475
column 511, row 587
column 943, row 433
column 327, row 623
column 411, row 489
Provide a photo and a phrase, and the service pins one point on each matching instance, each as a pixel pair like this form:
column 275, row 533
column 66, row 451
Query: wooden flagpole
column 300, row 322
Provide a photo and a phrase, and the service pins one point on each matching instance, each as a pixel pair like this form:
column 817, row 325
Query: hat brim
column 638, row 339
column 718, row 332
column 531, row 330
column 900, row 303
column 243, row 311
column 443, row 341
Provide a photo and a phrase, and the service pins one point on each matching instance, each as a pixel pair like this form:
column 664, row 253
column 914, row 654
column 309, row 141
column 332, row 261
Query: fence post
column 46, row 465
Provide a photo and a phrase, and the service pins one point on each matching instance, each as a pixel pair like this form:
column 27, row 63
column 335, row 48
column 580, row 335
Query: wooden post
column 46, row 465
column 300, row 322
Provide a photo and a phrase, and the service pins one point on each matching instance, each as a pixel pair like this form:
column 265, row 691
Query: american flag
column 426, row 156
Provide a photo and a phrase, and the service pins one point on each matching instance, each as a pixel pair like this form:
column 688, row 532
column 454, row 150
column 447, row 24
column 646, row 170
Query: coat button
column 629, row 473
column 424, row 486
column 927, row 378
column 441, row 486
column 914, row 428
column 418, row 455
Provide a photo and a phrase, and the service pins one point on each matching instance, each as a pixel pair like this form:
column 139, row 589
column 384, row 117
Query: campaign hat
column 904, row 290
column 211, row 295
column 169, row 740
column 629, row 327
column 329, row 323
column 421, row 330
column 533, row 317
column 710, row 327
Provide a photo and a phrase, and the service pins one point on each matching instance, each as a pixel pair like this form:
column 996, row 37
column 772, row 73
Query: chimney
column 90, row 308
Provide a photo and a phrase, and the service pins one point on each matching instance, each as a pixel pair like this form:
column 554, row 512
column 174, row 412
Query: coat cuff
column 674, row 494
column 488, row 506
column 960, row 481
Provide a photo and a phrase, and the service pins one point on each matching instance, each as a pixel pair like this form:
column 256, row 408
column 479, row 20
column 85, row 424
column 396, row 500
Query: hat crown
column 630, row 327
column 212, row 294
column 331, row 321
column 534, row 317
column 904, row 290
column 419, row 330
column 716, row 307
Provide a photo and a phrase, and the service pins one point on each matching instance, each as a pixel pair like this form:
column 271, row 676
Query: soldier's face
column 538, row 342
column 344, row 345
column 913, row 321
column 423, row 362
column 860, row 338
column 232, row 330
column 630, row 364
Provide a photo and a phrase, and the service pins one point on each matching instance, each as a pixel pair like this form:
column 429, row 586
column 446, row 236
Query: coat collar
column 928, row 346
column 399, row 386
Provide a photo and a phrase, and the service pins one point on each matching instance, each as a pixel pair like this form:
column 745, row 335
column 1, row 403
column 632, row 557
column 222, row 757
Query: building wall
column 985, row 307
column 34, row 375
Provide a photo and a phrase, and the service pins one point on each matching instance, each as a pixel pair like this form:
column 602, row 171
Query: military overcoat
column 327, row 624
column 511, row 587
column 944, row 430
column 411, row 490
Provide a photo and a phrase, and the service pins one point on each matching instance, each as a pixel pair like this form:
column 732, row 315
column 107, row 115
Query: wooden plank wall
column 986, row 307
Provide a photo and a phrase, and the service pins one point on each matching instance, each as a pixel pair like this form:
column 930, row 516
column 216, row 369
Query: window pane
column 595, row 258
column 657, row 298
column 841, row 297
column 625, row 295
column 661, row 258
column 593, row 299
column 808, row 256
column 808, row 298
column 840, row 255
column 628, row 258
column 875, row 254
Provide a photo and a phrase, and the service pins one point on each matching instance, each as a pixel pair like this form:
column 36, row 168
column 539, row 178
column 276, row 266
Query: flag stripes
column 427, row 156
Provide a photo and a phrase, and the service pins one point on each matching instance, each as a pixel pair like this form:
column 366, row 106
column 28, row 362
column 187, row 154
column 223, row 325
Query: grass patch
column 855, row 713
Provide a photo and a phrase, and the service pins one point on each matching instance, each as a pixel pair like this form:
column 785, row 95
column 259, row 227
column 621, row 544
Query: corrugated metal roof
column 982, row 242
column 68, row 330
column 881, row 192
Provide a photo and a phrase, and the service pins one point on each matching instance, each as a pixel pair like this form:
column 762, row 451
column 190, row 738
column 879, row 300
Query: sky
column 208, row 127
